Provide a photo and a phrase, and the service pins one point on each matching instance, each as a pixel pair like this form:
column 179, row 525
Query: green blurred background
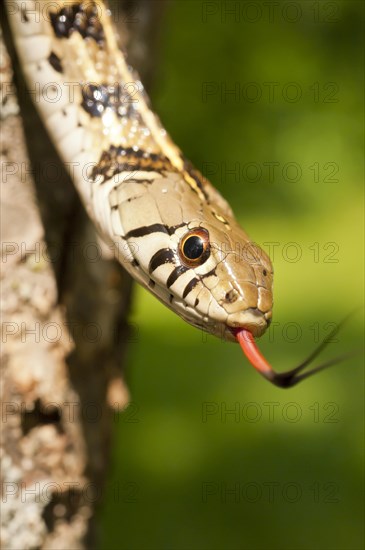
column 297, row 473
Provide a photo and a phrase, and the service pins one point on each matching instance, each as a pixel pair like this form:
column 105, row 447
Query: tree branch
column 64, row 310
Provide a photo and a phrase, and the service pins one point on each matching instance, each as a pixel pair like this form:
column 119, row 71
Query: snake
column 168, row 226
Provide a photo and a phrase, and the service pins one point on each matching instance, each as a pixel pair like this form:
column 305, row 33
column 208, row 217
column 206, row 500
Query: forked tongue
column 289, row 378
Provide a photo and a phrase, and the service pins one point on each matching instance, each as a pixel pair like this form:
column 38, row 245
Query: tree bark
column 64, row 306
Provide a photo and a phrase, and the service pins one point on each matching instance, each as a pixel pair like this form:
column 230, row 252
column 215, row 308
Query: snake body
column 170, row 228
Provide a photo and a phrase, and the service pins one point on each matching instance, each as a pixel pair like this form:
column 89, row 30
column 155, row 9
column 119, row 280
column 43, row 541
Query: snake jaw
column 252, row 320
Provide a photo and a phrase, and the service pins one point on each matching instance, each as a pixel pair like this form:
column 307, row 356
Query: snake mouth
column 252, row 319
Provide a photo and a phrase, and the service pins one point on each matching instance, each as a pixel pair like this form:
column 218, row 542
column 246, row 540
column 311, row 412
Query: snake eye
column 194, row 247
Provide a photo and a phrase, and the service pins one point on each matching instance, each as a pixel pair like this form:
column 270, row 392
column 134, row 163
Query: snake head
column 200, row 262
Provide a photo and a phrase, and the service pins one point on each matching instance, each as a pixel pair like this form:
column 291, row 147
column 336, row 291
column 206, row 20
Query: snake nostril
column 264, row 272
column 231, row 296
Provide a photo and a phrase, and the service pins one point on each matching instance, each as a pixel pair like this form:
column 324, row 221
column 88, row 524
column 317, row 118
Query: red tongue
column 288, row 378
column 253, row 354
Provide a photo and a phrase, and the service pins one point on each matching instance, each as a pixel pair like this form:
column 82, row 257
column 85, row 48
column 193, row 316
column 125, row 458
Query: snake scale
column 170, row 228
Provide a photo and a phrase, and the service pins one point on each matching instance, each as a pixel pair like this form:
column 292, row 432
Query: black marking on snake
column 151, row 283
column 190, row 286
column 175, row 274
column 24, row 14
column 154, row 228
column 97, row 98
column 163, row 256
column 135, row 263
column 79, row 17
column 55, row 62
column 171, row 297
column 209, row 274
column 118, row 159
